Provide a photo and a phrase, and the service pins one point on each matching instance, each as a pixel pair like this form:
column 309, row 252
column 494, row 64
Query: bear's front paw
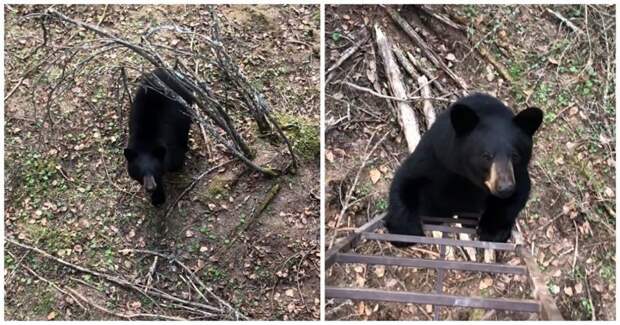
column 158, row 198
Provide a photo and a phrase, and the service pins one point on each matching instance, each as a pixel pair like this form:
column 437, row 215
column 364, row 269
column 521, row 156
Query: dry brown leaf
column 578, row 288
column 485, row 283
column 51, row 315
column 329, row 156
column 360, row 280
column 380, row 271
column 360, row 308
column 375, row 175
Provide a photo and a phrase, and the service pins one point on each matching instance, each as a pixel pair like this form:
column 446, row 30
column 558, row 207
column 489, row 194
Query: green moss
column 53, row 239
column 217, row 187
column 303, row 133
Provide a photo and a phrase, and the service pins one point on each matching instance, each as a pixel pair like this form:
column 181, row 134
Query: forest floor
column 569, row 221
column 67, row 191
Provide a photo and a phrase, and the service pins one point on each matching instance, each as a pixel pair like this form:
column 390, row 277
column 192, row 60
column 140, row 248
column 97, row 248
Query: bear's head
column 491, row 143
column 146, row 166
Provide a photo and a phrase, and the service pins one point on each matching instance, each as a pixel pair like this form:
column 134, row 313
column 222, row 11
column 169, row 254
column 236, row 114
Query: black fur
column 158, row 133
column 446, row 173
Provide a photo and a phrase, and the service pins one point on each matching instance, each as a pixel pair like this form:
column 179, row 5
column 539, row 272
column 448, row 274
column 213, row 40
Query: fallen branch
column 427, row 9
column 237, row 232
column 407, row 99
column 347, row 203
column 404, row 62
column 113, row 279
column 498, row 66
column 193, row 184
column 348, row 53
column 566, row 21
column 238, row 315
column 427, row 108
column 407, row 118
column 371, row 73
column 428, row 73
column 426, row 50
column 122, row 315
column 206, row 99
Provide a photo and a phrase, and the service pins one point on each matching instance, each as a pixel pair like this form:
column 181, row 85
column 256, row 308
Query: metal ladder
column 544, row 305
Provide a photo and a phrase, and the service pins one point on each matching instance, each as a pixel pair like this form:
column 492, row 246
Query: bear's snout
column 149, row 183
column 501, row 178
column 505, row 190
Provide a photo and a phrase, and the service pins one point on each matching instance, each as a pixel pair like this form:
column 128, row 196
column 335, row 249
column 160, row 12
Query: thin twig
column 193, row 184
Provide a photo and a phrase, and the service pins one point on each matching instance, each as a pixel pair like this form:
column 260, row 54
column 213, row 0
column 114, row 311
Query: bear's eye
column 487, row 156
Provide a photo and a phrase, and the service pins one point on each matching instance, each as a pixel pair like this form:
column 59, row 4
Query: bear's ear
column 159, row 152
column 130, row 154
column 463, row 118
column 529, row 120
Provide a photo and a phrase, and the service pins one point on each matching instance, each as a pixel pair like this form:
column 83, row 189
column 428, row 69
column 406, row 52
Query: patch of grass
column 52, row 238
column 553, row 288
column 214, row 273
column 541, row 96
column 364, row 189
column 586, row 307
column 608, row 272
column 515, row 69
column 382, row 204
column 336, row 36
column 39, row 174
column 44, row 302
column 578, row 273
column 303, row 134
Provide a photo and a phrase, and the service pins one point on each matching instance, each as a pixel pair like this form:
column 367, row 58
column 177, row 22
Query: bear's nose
column 505, row 190
column 149, row 183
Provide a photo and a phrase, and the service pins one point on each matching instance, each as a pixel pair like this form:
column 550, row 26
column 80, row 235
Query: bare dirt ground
column 68, row 193
column 569, row 221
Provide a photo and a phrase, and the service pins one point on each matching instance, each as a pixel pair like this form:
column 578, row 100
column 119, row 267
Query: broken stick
column 428, row 73
column 348, row 53
column 400, row 55
column 427, row 108
column 407, row 117
column 566, row 21
column 426, row 50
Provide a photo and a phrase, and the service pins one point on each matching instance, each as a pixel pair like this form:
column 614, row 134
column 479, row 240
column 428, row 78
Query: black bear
column 158, row 133
column 473, row 159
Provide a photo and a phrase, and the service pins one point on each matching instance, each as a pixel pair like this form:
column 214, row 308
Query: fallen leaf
column 329, row 156
column 375, row 175
column 604, row 139
column 359, row 280
column 290, row 293
column 578, row 288
column 51, row 315
column 135, row 305
column 380, row 271
column 568, row 291
column 391, row 283
column 485, row 283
